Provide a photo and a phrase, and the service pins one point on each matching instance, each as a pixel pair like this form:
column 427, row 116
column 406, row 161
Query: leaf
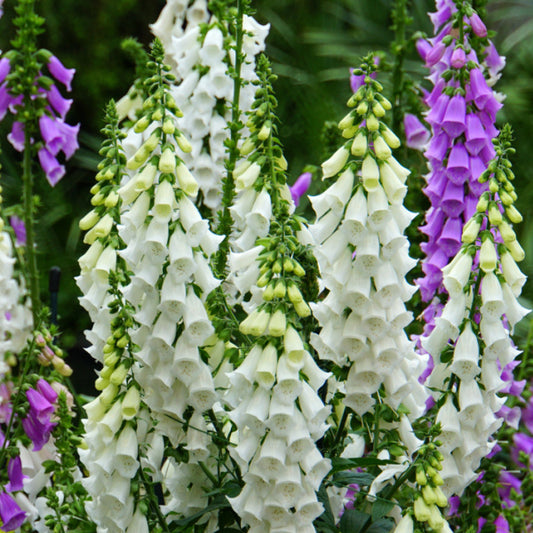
column 381, row 526
column 354, row 521
column 339, row 464
column 327, row 516
column 344, row 478
column 380, row 508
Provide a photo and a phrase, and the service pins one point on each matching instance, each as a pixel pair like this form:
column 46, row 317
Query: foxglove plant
column 462, row 111
column 274, row 394
column 471, row 342
column 214, row 64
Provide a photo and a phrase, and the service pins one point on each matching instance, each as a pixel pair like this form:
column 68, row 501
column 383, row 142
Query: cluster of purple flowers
column 57, row 135
column 38, row 427
column 462, row 113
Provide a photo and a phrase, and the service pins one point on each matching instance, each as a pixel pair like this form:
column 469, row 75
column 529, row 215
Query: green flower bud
column 277, row 324
column 97, row 199
column 372, row 123
column 268, row 293
column 495, row 216
column 517, row 252
column 471, row 230
column 381, row 149
column 119, row 375
column 167, row 161
column 89, row 220
column 506, row 231
column 280, row 289
column 513, row 214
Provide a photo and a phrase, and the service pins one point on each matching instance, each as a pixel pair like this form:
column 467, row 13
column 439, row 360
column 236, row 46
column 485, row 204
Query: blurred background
column 312, row 44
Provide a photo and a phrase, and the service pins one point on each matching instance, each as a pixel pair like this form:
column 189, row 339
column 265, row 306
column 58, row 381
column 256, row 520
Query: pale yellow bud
column 372, row 123
column 280, row 289
column 381, row 148
column 108, row 394
column 347, row 121
column 471, row 230
column 390, row 138
column 495, row 216
column 370, row 173
column 517, row 252
column 97, row 199
column 277, row 324
column 513, row 214
column 89, row 220
column 506, row 231
column 294, row 293
column 359, row 145
column 111, row 199
column 119, row 375
column 167, row 161
column 186, row 180
column 265, row 130
column 302, row 309
column 487, row 256
column 183, row 143
column 378, row 110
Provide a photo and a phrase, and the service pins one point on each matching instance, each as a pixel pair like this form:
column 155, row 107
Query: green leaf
column 354, row 521
column 381, row 526
column 344, row 478
column 339, row 464
column 380, row 508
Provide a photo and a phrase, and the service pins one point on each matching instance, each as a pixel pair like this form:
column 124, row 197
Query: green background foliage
column 312, row 44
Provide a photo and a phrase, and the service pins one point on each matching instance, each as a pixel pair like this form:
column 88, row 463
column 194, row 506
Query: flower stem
column 398, row 48
column 33, row 273
column 225, row 222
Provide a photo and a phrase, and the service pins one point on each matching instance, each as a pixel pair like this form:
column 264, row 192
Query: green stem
column 225, row 223
column 153, row 500
column 340, row 429
column 27, row 180
column 399, row 55
column 527, row 351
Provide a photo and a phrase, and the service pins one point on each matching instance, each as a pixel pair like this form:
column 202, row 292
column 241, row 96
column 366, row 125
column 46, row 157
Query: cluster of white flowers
column 200, row 50
column 363, row 258
column 478, row 318
column 278, row 412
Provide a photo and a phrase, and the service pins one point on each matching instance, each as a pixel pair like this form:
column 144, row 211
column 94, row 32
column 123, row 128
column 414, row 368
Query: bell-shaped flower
column 60, row 72
column 466, row 355
column 11, row 515
column 52, row 168
column 335, row 163
column 492, row 298
column 14, row 472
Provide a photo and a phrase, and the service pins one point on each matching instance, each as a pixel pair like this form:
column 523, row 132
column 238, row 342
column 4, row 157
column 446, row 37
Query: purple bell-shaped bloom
column 60, row 73
column 434, row 190
column 452, row 202
column 438, row 146
column 38, row 432
column 434, row 223
column 435, row 54
column 46, row 390
column 436, row 113
column 14, row 472
column 453, row 121
column 417, row 135
column 53, row 169
column 458, row 167
column 16, row 136
column 450, row 238
column 495, row 62
column 61, row 105
column 59, row 136
column 477, row 25
column 40, row 407
column 502, row 526
column 476, row 136
column 458, row 59
column 11, row 515
column 508, row 482
column 480, row 91
column 5, row 67
column 300, row 186
column 19, row 228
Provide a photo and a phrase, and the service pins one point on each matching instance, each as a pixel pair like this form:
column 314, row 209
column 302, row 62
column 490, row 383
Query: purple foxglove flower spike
column 53, row 169
column 300, row 186
column 16, row 477
column 60, row 73
column 19, row 228
column 11, row 515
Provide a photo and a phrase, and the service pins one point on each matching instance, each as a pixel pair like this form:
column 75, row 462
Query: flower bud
column 186, row 180
column 421, row 510
column 506, row 231
column 483, row 203
column 280, row 289
column 517, row 252
column 487, row 256
column 381, row 148
column 302, row 309
column 495, row 216
column 167, row 161
column 265, row 130
column 119, row 375
column 513, row 214
column 183, row 143
column 111, row 199
column 372, row 123
column 347, row 121
column 89, row 220
column 359, row 145
column 390, row 138
column 471, row 230
column 277, row 324
column 294, row 294
column 141, row 124
column 108, row 394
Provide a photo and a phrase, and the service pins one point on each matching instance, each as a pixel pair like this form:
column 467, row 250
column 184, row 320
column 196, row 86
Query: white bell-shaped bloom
column 466, row 355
